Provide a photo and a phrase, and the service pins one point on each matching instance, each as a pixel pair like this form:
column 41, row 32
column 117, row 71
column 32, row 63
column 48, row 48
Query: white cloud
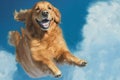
column 101, row 44
column 7, row 65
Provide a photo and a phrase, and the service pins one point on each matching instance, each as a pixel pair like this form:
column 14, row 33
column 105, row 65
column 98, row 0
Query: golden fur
column 37, row 50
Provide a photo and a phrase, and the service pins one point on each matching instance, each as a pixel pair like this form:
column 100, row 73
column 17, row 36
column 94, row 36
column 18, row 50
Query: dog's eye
column 37, row 9
column 49, row 8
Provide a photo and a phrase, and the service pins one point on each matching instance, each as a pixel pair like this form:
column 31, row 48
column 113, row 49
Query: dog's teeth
column 46, row 24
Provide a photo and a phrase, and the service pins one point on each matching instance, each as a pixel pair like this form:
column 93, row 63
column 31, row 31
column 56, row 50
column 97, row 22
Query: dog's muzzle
column 45, row 22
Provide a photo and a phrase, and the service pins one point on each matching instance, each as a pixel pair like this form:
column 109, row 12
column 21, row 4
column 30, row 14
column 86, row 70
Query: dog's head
column 42, row 15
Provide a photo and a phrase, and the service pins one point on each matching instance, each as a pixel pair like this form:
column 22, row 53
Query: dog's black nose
column 45, row 13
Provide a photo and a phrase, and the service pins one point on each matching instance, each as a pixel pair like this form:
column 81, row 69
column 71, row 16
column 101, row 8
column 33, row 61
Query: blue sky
column 91, row 29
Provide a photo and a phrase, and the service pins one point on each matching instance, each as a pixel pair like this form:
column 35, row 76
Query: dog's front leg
column 71, row 59
column 49, row 63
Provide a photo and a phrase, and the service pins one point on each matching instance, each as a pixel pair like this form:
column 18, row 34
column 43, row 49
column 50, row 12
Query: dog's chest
column 50, row 44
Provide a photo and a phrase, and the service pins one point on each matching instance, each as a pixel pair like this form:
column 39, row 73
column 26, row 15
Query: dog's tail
column 14, row 38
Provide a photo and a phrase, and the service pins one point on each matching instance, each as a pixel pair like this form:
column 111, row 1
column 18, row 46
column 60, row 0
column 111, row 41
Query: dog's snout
column 45, row 13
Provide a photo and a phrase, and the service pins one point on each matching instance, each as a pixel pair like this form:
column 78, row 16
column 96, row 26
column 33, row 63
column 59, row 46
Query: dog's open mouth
column 44, row 24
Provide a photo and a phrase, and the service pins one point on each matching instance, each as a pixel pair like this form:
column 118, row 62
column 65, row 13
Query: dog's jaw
column 44, row 24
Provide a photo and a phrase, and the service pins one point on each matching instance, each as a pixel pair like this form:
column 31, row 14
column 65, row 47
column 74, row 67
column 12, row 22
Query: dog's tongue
column 45, row 24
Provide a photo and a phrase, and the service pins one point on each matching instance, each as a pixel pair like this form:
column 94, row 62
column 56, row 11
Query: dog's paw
column 58, row 75
column 82, row 63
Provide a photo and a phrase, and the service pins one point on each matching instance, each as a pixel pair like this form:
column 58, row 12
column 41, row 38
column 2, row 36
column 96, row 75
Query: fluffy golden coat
column 41, row 44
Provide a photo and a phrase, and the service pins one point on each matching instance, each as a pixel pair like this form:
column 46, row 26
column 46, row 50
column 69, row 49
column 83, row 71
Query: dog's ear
column 57, row 16
column 21, row 15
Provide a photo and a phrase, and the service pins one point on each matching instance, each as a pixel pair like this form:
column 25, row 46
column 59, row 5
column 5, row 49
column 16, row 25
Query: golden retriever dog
column 41, row 44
